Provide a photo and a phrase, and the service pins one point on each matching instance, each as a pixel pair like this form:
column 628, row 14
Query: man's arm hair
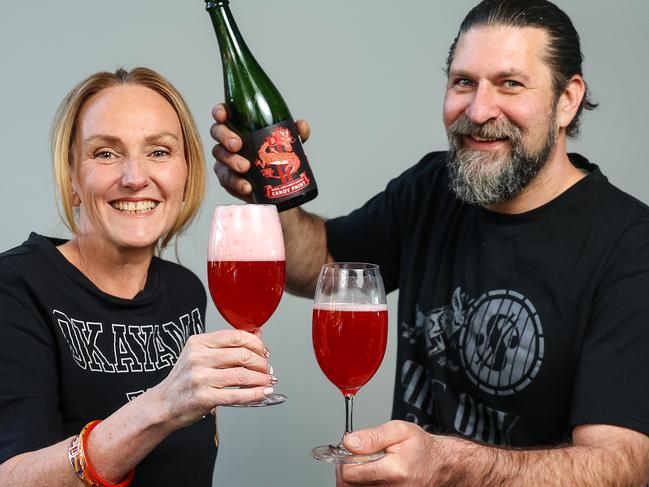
column 305, row 239
column 600, row 456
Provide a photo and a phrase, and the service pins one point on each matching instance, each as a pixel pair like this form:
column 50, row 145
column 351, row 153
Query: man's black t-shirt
column 70, row 353
column 513, row 329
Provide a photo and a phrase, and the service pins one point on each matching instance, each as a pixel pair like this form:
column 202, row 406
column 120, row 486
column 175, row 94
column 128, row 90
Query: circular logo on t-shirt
column 501, row 346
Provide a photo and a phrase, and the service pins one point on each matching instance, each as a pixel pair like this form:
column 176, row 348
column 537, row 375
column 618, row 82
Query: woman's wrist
column 164, row 409
column 83, row 466
column 122, row 440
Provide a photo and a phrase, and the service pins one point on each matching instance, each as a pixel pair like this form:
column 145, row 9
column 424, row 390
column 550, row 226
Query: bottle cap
column 215, row 3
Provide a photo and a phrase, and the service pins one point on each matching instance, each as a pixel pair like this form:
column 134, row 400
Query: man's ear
column 570, row 100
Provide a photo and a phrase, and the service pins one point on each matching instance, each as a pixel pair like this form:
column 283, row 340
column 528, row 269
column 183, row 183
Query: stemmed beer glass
column 350, row 317
column 246, row 268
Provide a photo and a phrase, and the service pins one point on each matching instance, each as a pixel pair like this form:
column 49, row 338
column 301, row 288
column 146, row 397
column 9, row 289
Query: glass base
column 271, row 400
column 338, row 454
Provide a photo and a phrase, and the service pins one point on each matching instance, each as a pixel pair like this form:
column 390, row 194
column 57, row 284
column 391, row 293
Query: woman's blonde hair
column 64, row 132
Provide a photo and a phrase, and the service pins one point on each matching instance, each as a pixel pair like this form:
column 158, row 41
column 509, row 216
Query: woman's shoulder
column 173, row 268
column 176, row 275
column 27, row 257
column 24, row 268
column 179, row 282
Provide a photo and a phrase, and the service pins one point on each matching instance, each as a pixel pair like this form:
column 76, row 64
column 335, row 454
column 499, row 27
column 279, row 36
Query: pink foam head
column 356, row 308
column 246, row 233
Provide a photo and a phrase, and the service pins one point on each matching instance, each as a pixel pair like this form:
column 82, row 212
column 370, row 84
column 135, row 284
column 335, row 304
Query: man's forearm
column 583, row 466
column 306, row 250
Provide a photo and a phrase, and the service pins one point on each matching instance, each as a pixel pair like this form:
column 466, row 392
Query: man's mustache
column 489, row 130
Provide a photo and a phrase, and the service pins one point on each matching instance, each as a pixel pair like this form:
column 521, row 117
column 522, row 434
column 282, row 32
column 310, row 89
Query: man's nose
column 135, row 174
column 483, row 107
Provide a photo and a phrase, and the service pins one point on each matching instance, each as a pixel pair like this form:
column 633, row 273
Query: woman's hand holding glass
column 208, row 368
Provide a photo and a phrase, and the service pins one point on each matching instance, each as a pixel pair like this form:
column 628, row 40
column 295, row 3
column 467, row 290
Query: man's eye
column 464, row 83
column 510, row 83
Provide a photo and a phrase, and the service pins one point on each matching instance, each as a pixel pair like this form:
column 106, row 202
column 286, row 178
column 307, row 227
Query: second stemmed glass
column 350, row 317
column 246, row 268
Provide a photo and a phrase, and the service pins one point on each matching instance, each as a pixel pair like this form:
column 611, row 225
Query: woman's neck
column 116, row 272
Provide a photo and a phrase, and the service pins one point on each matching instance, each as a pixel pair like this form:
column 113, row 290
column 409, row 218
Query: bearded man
column 523, row 276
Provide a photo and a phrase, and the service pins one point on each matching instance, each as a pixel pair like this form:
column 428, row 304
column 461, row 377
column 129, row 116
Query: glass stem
column 349, row 414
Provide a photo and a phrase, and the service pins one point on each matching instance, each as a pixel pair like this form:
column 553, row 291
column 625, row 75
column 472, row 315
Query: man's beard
column 486, row 177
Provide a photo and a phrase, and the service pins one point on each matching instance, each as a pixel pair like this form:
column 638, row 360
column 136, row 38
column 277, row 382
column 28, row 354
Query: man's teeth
column 485, row 139
column 134, row 206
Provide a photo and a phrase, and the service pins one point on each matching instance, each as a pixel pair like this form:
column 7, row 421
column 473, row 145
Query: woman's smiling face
column 129, row 171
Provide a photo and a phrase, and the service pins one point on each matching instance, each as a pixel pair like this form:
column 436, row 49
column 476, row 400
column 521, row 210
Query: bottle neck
column 227, row 32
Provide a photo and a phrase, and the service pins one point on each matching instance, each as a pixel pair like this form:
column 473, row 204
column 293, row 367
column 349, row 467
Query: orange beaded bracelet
column 81, row 464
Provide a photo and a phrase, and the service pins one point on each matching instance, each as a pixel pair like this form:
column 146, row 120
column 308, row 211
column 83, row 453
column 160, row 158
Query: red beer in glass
column 349, row 342
column 234, row 285
column 349, row 330
column 246, row 268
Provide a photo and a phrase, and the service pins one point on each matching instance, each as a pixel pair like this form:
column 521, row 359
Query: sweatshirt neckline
column 49, row 246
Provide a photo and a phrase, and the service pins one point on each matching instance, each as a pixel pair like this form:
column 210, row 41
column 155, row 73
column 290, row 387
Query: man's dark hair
column 563, row 54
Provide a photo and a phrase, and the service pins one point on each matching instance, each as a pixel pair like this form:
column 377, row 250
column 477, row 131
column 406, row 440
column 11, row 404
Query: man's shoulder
column 429, row 171
column 607, row 199
column 431, row 163
column 615, row 221
column 622, row 202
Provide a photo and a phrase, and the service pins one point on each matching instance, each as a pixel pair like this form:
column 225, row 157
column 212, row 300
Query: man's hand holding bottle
column 229, row 166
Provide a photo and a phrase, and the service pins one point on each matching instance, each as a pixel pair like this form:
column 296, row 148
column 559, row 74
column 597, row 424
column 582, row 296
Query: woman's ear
column 75, row 199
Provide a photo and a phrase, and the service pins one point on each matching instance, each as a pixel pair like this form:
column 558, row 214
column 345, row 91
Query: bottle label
column 279, row 168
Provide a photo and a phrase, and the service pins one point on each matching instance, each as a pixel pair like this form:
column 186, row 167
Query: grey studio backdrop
column 367, row 74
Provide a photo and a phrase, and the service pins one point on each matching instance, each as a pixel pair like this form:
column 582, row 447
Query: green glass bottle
column 279, row 172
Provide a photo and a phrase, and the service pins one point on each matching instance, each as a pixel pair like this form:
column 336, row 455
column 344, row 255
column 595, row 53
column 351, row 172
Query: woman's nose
column 135, row 174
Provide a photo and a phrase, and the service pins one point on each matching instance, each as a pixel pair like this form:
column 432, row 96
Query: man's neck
column 557, row 176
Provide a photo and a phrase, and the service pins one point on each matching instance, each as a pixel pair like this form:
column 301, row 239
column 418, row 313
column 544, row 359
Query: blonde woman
column 98, row 327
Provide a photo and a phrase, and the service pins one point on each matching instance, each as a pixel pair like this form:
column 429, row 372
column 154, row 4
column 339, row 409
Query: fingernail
column 232, row 144
column 266, row 352
column 272, row 379
column 268, row 391
column 270, row 369
column 248, row 189
column 353, row 441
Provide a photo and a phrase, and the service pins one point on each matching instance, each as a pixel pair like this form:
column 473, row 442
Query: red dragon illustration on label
column 276, row 157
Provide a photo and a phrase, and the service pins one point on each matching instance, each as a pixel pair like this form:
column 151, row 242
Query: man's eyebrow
column 459, row 73
column 508, row 73
column 512, row 73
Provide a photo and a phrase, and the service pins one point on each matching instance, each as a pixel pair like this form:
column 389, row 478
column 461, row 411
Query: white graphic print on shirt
column 496, row 340
column 132, row 348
